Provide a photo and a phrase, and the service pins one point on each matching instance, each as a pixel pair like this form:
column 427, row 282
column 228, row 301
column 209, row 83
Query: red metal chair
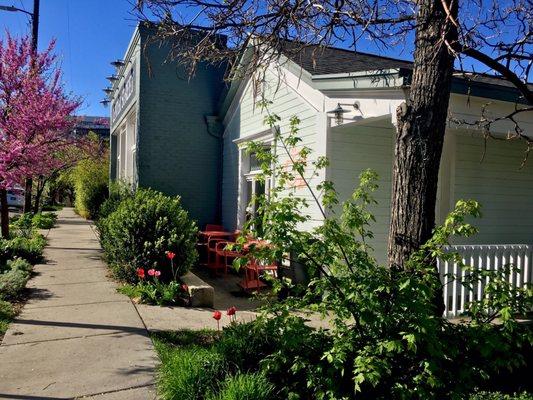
column 202, row 243
column 223, row 256
column 252, row 275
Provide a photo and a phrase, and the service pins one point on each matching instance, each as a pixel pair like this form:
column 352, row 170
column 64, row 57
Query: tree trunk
column 4, row 213
column 420, row 134
column 38, row 195
column 27, row 195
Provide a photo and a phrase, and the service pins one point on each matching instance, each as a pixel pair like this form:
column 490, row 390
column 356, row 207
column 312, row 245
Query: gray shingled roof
column 320, row 60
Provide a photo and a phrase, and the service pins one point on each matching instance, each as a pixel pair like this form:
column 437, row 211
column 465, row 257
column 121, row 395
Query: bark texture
column 27, row 194
column 4, row 213
column 420, row 133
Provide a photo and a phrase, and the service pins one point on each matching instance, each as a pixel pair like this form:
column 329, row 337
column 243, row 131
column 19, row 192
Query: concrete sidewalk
column 76, row 337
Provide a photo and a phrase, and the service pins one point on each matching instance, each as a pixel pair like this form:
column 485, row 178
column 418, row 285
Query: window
column 251, row 186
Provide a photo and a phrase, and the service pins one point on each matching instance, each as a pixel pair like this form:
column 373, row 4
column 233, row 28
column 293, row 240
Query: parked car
column 15, row 198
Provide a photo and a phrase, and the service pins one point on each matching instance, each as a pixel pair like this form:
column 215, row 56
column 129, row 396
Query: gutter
column 395, row 78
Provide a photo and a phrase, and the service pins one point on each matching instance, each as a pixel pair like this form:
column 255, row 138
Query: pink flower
column 151, row 272
column 185, row 288
column 170, row 255
column 157, row 273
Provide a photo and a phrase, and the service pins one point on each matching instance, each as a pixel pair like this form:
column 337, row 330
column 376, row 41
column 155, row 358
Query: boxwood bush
column 142, row 228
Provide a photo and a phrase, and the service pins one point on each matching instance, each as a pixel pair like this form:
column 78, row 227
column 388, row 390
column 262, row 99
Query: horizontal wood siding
column 504, row 190
column 351, row 152
column 247, row 120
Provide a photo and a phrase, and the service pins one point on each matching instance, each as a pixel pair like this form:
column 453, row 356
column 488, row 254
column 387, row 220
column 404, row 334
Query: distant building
column 98, row 125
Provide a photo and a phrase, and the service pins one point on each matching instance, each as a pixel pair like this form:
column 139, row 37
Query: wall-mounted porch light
column 105, row 102
column 339, row 111
column 108, row 91
column 118, row 63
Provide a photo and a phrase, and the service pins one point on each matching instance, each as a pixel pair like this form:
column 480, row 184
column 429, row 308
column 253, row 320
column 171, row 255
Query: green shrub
column 142, row 229
column 246, row 387
column 22, row 225
column 189, row 374
column 30, row 249
column 118, row 192
column 19, row 264
column 12, row 283
column 501, row 396
column 244, row 345
column 44, row 220
column 91, row 186
column 6, row 315
column 157, row 292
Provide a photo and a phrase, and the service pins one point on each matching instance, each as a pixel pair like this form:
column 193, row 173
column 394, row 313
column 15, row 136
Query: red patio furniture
column 203, row 238
column 223, row 256
column 253, row 272
column 213, row 237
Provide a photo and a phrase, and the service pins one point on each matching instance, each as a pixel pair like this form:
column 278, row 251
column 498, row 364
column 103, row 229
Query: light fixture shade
column 337, row 113
column 118, row 63
column 105, row 102
column 112, row 78
column 108, row 90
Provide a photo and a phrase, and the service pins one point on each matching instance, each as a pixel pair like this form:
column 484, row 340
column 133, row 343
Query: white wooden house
column 181, row 115
column 369, row 89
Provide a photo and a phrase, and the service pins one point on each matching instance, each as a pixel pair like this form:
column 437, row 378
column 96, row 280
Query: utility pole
column 34, row 41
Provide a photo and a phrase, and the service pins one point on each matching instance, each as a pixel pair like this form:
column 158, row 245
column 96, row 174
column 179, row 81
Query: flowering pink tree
column 35, row 120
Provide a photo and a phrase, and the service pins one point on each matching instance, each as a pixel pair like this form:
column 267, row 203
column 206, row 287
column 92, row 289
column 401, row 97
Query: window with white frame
column 252, row 185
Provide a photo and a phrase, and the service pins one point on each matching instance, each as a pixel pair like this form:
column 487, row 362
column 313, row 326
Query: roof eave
column 394, row 78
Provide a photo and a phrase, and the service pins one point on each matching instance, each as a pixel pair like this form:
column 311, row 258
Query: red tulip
column 217, row 315
column 157, row 273
column 151, row 272
column 231, row 311
column 185, row 288
column 170, row 255
column 140, row 273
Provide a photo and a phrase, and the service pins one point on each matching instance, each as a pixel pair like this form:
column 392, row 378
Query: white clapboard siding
column 482, row 257
column 248, row 119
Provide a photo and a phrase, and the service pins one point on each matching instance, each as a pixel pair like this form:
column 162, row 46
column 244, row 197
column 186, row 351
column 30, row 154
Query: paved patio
column 76, row 337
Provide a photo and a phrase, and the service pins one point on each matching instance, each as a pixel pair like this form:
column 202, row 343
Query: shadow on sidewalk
column 121, row 328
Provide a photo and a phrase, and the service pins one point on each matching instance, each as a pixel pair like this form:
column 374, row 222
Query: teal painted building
column 164, row 130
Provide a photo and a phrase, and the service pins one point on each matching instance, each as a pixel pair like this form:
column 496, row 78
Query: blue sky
column 89, row 34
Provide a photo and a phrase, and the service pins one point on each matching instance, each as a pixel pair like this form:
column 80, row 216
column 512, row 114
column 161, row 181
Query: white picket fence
column 487, row 257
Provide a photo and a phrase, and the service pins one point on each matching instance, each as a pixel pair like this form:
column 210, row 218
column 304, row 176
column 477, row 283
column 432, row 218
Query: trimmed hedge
column 90, row 186
column 142, row 229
